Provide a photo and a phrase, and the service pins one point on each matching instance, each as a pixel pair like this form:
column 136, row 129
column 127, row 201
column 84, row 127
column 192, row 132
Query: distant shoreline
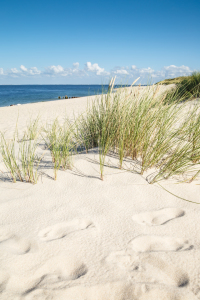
column 68, row 84
column 34, row 93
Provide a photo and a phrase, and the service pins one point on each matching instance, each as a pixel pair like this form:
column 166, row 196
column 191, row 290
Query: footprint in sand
column 124, row 260
column 158, row 217
column 5, row 235
column 152, row 243
column 51, row 275
column 165, row 272
column 66, row 267
column 60, row 230
column 13, row 243
column 149, row 269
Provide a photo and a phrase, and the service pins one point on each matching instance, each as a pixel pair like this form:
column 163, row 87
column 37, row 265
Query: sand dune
column 80, row 238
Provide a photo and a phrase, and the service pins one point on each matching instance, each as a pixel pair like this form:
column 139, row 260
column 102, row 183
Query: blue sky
column 91, row 41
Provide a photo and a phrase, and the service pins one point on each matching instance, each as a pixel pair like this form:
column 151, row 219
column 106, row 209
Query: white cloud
column 91, row 72
column 76, row 69
column 34, row 71
column 14, row 70
column 146, row 71
column 60, row 71
column 133, row 67
column 56, row 69
column 95, row 68
column 174, row 71
column 23, row 68
column 25, row 71
column 76, row 65
column 166, row 72
column 121, row 72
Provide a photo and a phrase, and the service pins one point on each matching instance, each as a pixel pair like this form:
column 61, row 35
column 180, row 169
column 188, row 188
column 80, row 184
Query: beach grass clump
column 29, row 161
column 190, row 132
column 183, row 158
column 10, row 159
column 145, row 129
column 137, row 127
column 168, row 81
column 157, row 132
column 88, row 127
column 99, row 125
column 20, row 159
column 190, row 86
column 61, row 143
column 176, row 162
column 33, row 129
column 187, row 88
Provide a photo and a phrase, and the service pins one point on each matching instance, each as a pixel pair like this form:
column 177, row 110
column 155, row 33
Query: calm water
column 21, row 94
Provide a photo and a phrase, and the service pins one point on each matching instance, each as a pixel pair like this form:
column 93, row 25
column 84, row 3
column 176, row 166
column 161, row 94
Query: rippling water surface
column 21, row 94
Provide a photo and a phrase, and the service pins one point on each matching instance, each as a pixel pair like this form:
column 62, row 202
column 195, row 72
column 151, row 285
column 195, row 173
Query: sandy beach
column 81, row 238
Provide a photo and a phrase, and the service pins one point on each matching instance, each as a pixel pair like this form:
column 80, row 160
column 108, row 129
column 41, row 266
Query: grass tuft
column 22, row 164
column 158, row 131
column 33, row 129
column 60, row 141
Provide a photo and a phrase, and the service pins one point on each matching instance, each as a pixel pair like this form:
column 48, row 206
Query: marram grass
column 33, row 129
column 144, row 129
column 61, row 143
column 158, row 131
column 20, row 159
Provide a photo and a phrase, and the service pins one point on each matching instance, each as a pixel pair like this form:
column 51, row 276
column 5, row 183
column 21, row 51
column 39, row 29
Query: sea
column 22, row 94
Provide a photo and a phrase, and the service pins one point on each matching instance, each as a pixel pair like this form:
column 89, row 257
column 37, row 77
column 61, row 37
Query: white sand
column 80, row 238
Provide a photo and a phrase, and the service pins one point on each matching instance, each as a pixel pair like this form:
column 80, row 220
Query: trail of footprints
column 138, row 258
column 140, row 264
column 144, row 266
column 53, row 272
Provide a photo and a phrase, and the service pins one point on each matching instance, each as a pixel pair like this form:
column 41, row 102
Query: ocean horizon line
column 29, row 93
column 70, row 84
